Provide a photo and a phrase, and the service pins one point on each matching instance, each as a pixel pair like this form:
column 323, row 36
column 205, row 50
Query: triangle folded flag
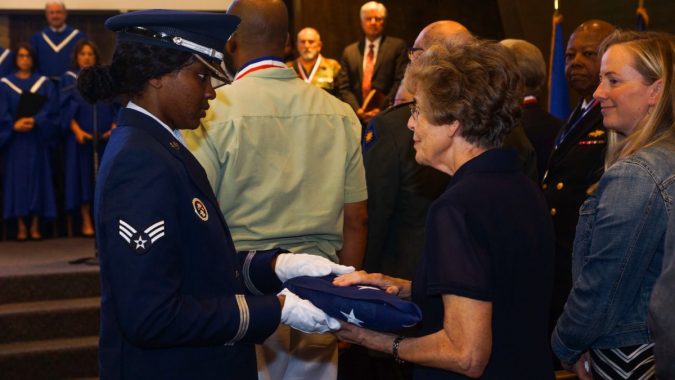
column 362, row 305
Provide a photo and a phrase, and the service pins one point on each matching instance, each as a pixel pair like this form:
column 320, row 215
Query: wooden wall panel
column 338, row 21
column 24, row 24
column 339, row 25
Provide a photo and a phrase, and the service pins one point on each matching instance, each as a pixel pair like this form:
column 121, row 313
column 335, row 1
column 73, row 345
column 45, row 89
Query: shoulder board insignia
column 141, row 241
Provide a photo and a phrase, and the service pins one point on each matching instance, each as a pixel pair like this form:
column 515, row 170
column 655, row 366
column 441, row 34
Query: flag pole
column 642, row 16
column 558, row 99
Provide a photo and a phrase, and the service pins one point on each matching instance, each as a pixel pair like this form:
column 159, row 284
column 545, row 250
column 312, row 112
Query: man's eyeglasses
column 414, row 110
column 413, row 52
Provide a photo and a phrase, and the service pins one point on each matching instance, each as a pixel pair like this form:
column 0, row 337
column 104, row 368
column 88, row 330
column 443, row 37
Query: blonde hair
column 652, row 55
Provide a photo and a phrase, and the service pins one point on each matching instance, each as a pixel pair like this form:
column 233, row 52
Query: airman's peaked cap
column 203, row 33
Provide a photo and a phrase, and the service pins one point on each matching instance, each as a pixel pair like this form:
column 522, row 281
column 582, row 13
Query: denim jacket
column 618, row 250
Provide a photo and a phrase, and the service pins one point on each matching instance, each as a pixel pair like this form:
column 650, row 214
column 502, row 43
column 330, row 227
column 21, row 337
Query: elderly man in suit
column 375, row 63
column 578, row 156
column 540, row 126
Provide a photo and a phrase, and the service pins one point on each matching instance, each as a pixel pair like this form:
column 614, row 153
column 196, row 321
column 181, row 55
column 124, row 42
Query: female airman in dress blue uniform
column 176, row 299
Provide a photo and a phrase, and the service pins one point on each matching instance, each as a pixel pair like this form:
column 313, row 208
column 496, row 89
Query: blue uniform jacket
column 173, row 300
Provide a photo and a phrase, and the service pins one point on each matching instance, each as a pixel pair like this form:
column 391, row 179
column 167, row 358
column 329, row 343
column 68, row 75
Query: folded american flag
column 362, row 305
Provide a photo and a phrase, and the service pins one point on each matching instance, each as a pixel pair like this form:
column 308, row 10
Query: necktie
column 368, row 71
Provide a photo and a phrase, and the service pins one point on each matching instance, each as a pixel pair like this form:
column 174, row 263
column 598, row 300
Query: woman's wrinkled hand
column 361, row 277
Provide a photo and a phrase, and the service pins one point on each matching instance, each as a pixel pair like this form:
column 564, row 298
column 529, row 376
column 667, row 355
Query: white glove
column 304, row 316
column 291, row 265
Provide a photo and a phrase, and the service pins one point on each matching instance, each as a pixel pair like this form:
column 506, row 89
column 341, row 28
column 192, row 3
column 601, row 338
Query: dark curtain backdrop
column 338, row 21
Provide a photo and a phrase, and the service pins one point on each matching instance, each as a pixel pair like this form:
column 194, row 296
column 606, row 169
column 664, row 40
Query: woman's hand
column 106, row 135
column 24, row 124
column 80, row 136
column 363, row 337
column 351, row 333
column 582, row 367
column 392, row 285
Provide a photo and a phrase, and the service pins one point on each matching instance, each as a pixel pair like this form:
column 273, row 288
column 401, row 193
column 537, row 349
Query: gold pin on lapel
column 174, row 145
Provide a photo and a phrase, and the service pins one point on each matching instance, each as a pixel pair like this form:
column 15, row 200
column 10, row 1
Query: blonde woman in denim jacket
column 619, row 245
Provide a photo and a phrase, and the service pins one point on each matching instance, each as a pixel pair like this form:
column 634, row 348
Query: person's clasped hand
column 24, row 124
column 290, row 265
column 304, row 316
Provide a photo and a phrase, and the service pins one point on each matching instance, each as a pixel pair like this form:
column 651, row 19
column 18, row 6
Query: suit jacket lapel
column 380, row 51
column 583, row 128
column 361, row 53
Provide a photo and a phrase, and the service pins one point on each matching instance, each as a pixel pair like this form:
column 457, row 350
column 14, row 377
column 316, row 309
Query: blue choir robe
column 176, row 298
column 27, row 173
column 79, row 158
column 6, row 62
column 54, row 50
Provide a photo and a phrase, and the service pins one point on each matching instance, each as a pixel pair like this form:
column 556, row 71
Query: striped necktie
column 366, row 84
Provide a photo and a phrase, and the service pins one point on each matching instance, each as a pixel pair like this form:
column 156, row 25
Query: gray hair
column 530, row 63
column 373, row 5
column 57, row 2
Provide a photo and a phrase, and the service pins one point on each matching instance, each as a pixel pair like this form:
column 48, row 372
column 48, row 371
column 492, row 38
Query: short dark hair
column 26, row 46
column 476, row 84
column 78, row 48
column 133, row 65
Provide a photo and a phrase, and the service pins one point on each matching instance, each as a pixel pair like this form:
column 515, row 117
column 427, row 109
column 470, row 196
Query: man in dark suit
column 540, row 127
column 578, row 156
column 375, row 63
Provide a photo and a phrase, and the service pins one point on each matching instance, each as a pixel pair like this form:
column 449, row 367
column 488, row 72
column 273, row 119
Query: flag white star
column 140, row 243
column 351, row 318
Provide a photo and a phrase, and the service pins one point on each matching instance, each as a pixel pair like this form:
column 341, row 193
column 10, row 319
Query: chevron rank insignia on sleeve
column 141, row 241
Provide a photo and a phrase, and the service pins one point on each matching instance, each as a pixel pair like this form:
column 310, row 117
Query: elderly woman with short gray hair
column 484, row 280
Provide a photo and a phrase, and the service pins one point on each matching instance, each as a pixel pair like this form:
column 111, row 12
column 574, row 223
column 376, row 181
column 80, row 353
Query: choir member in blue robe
column 6, row 62
column 27, row 178
column 54, row 45
column 78, row 124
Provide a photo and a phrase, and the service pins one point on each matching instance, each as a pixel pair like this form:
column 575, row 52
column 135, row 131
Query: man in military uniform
column 311, row 66
column 577, row 160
